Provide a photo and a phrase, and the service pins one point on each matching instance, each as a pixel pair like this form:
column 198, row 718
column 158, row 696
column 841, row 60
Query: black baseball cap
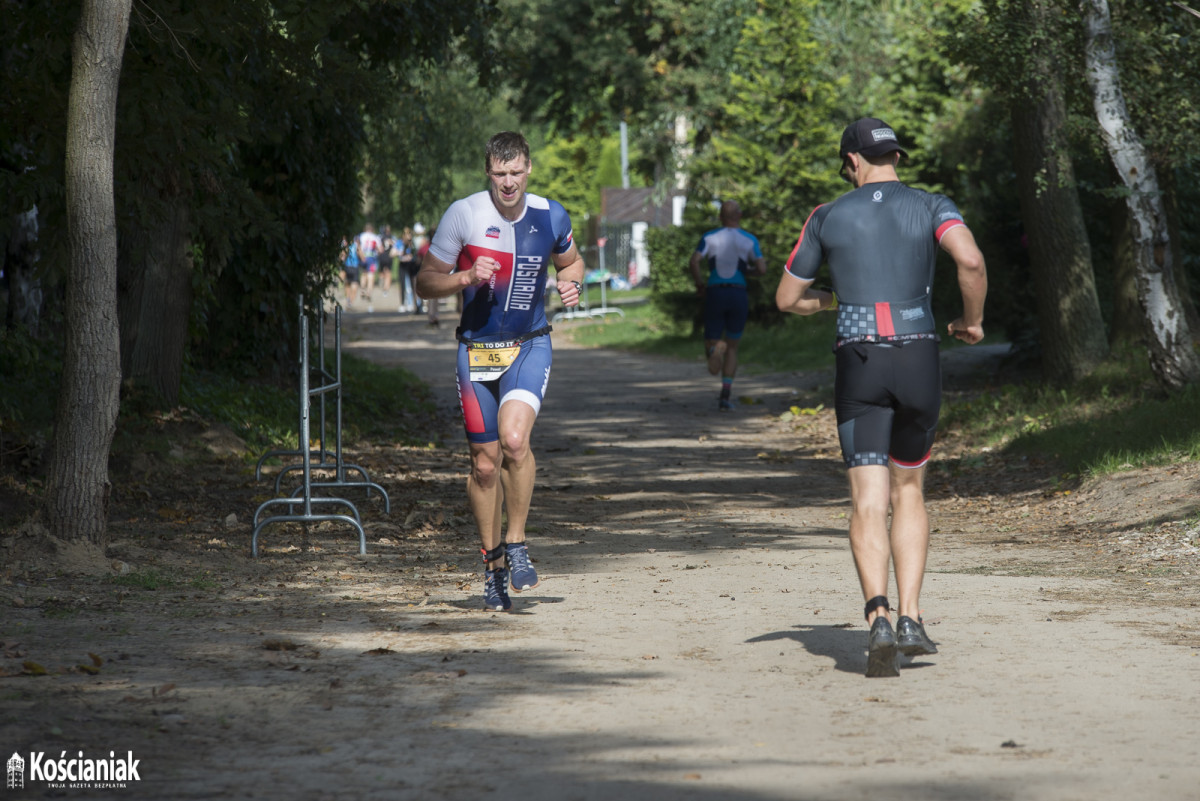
column 870, row 137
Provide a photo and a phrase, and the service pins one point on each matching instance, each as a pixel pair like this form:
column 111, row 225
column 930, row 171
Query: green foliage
column 149, row 579
column 573, row 170
column 30, row 368
column 424, row 135
column 265, row 415
column 379, row 403
column 798, row 344
column 385, row 403
column 643, row 329
column 774, row 146
column 1114, row 419
column 249, row 116
column 672, row 291
column 644, row 61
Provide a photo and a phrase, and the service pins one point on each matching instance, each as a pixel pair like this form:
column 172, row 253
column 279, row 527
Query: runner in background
column 350, row 271
column 369, row 245
column 495, row 248
column 387, row 257
column 730, row 252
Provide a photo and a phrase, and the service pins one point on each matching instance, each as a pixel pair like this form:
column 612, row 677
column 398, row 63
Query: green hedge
column 672, row 291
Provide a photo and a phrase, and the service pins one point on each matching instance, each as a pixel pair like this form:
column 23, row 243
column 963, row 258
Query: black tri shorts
column 888, row 397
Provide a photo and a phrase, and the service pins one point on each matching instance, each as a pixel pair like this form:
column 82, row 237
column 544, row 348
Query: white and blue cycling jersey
column 511, row 303
column 728, row 253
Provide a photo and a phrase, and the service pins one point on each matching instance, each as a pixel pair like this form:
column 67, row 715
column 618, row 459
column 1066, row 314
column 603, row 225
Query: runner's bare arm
column 437, row 279
column 694, row 266
column 796, row 295
column 759, row 265
column 959, row 242
column 569, row 269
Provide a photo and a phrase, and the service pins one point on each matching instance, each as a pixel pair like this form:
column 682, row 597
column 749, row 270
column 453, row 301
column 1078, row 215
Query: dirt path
column 697, row 634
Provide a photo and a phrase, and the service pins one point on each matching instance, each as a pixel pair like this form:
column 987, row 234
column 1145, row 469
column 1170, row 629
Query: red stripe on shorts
column 472, row 414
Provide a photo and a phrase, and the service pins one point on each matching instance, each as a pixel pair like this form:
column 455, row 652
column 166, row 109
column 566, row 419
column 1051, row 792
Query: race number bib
column 488, row 361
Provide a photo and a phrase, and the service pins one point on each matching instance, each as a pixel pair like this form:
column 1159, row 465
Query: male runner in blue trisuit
column 730, row 253
column 496, row 247
column 880, row 241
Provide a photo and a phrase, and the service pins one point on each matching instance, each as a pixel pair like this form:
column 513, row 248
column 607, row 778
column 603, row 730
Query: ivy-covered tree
column 1023, row 50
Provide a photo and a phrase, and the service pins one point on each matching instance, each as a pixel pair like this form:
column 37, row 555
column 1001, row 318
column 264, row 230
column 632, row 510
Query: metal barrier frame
column 306, row 500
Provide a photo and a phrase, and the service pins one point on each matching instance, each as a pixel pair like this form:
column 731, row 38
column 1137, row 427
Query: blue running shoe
column 521, row 572
column 495, row 590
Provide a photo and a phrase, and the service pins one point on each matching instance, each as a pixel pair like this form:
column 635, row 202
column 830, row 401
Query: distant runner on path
column 730, row 252
column 880, row 241
column 496, row 247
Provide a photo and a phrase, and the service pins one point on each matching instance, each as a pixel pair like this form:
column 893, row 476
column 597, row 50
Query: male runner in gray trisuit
column 880, row 241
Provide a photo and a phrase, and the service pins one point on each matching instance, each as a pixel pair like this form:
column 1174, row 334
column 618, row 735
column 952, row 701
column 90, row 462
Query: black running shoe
column 883, row 657
column 911, row 637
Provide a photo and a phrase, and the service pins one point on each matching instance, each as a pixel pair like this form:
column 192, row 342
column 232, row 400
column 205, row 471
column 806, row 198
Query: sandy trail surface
column 697, row 633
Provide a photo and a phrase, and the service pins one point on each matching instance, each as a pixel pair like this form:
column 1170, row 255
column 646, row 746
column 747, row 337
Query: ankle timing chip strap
column 493, row 555
column 875, row 603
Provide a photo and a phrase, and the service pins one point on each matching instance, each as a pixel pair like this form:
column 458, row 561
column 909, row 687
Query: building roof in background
column 636, row 205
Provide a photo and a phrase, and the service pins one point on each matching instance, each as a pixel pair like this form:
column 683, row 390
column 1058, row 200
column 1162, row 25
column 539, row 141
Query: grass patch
column 380, row 403
column 800, row 343
column 1116, row 419
column 142, row 580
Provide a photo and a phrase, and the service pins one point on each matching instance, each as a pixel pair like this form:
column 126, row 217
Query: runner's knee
column 515, row 445
column 485, row 467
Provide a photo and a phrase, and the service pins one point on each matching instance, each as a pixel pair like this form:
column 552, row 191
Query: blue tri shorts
column 525, row 380
column 726, row 307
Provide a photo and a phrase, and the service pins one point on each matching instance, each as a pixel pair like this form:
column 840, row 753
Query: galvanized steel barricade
column 302, row 496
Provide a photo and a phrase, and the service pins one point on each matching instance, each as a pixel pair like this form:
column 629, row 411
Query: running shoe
column 495, row 590
column 716, row 357
column 911, row 637
column 521, row 573
column 883, row 657
column 724, row 404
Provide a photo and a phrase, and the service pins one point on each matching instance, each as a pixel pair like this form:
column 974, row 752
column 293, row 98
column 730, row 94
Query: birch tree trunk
column 78, row 487
column 1170, row 339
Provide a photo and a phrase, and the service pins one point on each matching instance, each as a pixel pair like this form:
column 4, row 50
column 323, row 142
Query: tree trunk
column 1072, row 329
column 78, row 486
column 154, row 301
column 1127, row 319
column 1170, row 189
column 1169, row 337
